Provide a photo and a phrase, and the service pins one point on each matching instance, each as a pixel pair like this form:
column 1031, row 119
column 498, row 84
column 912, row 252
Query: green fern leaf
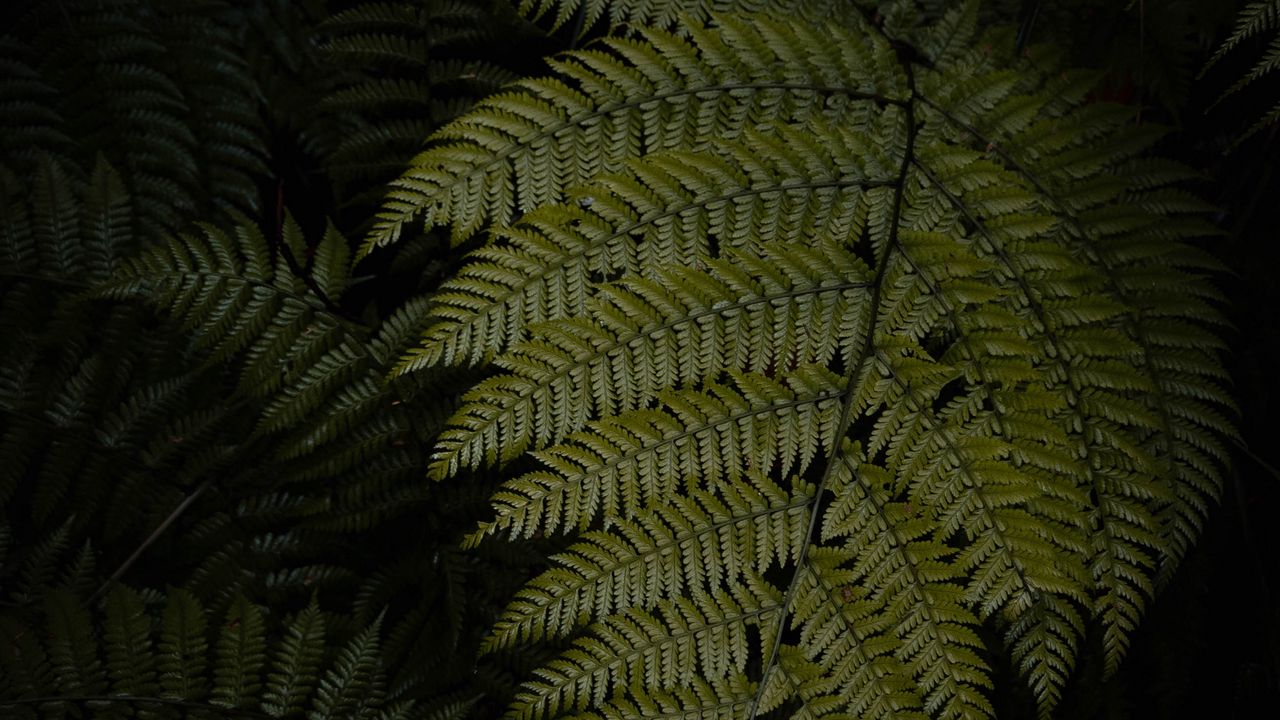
column 1254, row 18
column 182, row 648
column 681, row 326
column 903, row 567
column 238, row 301
column 850, row 642
column 704, row 638
column 667, row 207
column 72, row 649
column 688, row 544
column 241, row 657
column 1020, row 418
column 624, row 464
column 106, row 221
column 611, row 104
column 698, row 700
column 294, row 667
column 1044, row 642
column 352, row 687
column 126, row 636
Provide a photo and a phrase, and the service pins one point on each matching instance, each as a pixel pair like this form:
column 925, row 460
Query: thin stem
column 155, row 535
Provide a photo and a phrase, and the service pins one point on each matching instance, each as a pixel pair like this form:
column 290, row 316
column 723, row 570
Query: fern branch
column 900, row 571
column 674, row 201
column 633, row 461
column 855, row 367
column 742, row 528
column 1148, row 359
column 520, row 144
column 1256, row 17
column 633, row 345
column 705, row 637
column 1123, row 585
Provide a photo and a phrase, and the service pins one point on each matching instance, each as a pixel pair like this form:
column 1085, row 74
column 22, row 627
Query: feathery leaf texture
column 157, row 75
column 522, row 148
column 899, row 341
column 239, row 300
column 396, row 88
column 666, row 14
column 788, row 306
column 703, row 439
column 1255, row 19
column 805, row 183
column 181, row 660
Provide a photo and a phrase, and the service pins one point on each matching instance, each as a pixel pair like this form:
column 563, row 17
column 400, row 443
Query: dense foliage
column 611, row 359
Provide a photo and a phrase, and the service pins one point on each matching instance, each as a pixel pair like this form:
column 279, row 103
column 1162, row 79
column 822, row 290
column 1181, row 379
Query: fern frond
column 1097, row 400
column 36, row 575
column 235, row 298
column 849, row 641
column 73, row 653
column 112, row 662
column 698, row 543
column 698, row 700
column 182, row 648
column 705, row 638
column 126, row 636
column 523, row 148
column 1025, row 339
column 175, row 104
column 54, row 231
column 679, row 326
column 806, row 182
column 295, row 664
column 1044, row 642
column 903, row 567
column 1255, row 18
column 241, row 655
column 665, row 14
column 395, row 89
column 704, row 438
column 29, row 105
column 352, row 687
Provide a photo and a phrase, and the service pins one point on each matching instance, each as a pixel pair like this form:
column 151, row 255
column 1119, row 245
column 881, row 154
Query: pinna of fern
column 663, row 14
column 393, row 88
column 173, row 104
column 908, row 346
column 181, row 661
column 1255, row 21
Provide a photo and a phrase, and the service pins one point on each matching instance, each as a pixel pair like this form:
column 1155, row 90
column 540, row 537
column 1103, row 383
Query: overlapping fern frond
column 396, row 87
column 524, row 147
column 1256, row 22
column 665, row 14
column 87, row 409
column 210, row 391
column 140, row 82
column 906, row 339
column 182, row 661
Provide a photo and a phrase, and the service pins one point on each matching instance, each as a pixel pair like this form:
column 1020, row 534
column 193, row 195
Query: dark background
column 1210, row 646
